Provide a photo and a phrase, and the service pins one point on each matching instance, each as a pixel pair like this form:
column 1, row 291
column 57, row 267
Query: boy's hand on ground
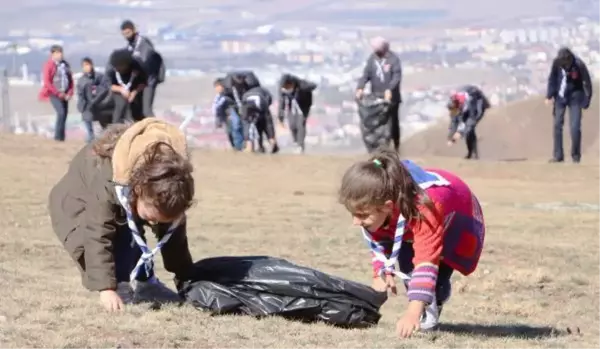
column 111, row 300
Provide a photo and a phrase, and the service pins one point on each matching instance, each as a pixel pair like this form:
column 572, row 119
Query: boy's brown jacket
column 86, row 214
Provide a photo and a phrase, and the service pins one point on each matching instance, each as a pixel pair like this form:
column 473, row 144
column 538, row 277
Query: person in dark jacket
column 569, row 85
column 225, row 111
column 143, row 50
column 94, row 101
column 295, row 100
column 384, row 71
column 255, row 110
column 132, row 176
column 466, row 107
column 58, row 87
column 128, row 81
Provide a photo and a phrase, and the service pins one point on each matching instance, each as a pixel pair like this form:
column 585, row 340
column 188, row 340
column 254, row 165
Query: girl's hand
column 382, row 285
column 411, row 320
column 111, row 300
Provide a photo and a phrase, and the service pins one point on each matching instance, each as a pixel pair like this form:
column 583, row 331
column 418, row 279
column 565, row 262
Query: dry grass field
column 537, row 284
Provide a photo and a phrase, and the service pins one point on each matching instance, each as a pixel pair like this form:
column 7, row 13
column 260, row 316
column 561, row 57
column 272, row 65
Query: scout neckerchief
column 147, row 258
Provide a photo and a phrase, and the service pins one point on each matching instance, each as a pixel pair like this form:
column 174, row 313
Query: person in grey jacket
column 93, row 98
column 143, row 50
column 384, row 71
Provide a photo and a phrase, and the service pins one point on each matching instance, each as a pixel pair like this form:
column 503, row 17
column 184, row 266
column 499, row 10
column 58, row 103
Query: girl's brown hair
column 379, row 179
column 163, row 175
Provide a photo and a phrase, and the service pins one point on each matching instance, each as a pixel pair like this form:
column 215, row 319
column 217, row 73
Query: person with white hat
column 384, row 71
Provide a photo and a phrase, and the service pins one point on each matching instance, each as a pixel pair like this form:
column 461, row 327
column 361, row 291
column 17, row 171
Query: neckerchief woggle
column 147, row 258
column 127, row 85
column 424, row 180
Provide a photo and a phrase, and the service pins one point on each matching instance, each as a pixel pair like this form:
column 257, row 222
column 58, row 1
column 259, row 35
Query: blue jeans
column 126, row 254
column 235, row 130
column 89, row 129
column 61, row 107
column 575, row 112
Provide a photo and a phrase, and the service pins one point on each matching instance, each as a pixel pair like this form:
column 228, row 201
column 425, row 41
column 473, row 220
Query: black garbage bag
column 374, row 120
column 265, row 286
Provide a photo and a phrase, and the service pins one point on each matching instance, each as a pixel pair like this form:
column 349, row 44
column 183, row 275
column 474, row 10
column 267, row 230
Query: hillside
column 520, row 296
column 521, row 130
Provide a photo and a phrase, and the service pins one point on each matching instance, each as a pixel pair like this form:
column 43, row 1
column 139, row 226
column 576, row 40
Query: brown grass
column 538, row 275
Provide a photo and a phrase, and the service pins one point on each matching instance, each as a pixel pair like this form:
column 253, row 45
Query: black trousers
column 148, row 100
column 394, row 124
column 471, row 141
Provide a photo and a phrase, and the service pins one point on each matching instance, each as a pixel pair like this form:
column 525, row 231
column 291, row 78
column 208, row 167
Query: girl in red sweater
column 425, row 220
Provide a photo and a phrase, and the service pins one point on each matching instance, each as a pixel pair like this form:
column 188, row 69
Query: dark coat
column 579, row 84
column 86, row 216
column 302, row 94
column 93, row 96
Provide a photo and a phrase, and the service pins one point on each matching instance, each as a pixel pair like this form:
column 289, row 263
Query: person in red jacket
column 426, row 220
column 57, row 87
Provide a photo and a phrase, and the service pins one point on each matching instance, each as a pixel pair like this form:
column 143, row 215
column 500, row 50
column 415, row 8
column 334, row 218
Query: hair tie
column 377, row 163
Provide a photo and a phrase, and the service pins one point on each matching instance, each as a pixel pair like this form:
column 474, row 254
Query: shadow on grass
column 500, row 331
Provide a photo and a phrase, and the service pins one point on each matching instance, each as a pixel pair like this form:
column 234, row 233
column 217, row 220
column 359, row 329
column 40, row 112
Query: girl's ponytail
column 398, row 182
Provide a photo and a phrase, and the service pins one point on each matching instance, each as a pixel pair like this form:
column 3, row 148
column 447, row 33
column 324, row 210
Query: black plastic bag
column 374, row 119
column 265, row 286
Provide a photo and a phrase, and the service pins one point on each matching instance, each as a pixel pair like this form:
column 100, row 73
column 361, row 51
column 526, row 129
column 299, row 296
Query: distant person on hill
column 255, row 110
column 132, row 176
column 94, row 100
column 143, row 50
column 128, row 81
column 225, row 112
column 428, row 221
column 384, row 71
column 58, row 87
column 230, row 91
column 466, row 108
column 569, row 85
column 295, row 102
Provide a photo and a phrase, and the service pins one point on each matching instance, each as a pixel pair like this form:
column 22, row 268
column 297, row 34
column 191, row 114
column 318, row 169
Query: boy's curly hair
column 163, row 175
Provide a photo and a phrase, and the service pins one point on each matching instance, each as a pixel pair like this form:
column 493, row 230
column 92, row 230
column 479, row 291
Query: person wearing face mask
column 143, row 50
column 295, row 100
column 569, row 85
column 384, row 71
column 94, row 101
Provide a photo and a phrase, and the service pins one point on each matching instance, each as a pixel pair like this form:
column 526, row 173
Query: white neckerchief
column 563, row 83
column 127, row 85
column 379, row 67
column 136, row 45
column 147, row 258
column 62, row 71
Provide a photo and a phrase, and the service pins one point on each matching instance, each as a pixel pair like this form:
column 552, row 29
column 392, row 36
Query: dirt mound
column 521, row 130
